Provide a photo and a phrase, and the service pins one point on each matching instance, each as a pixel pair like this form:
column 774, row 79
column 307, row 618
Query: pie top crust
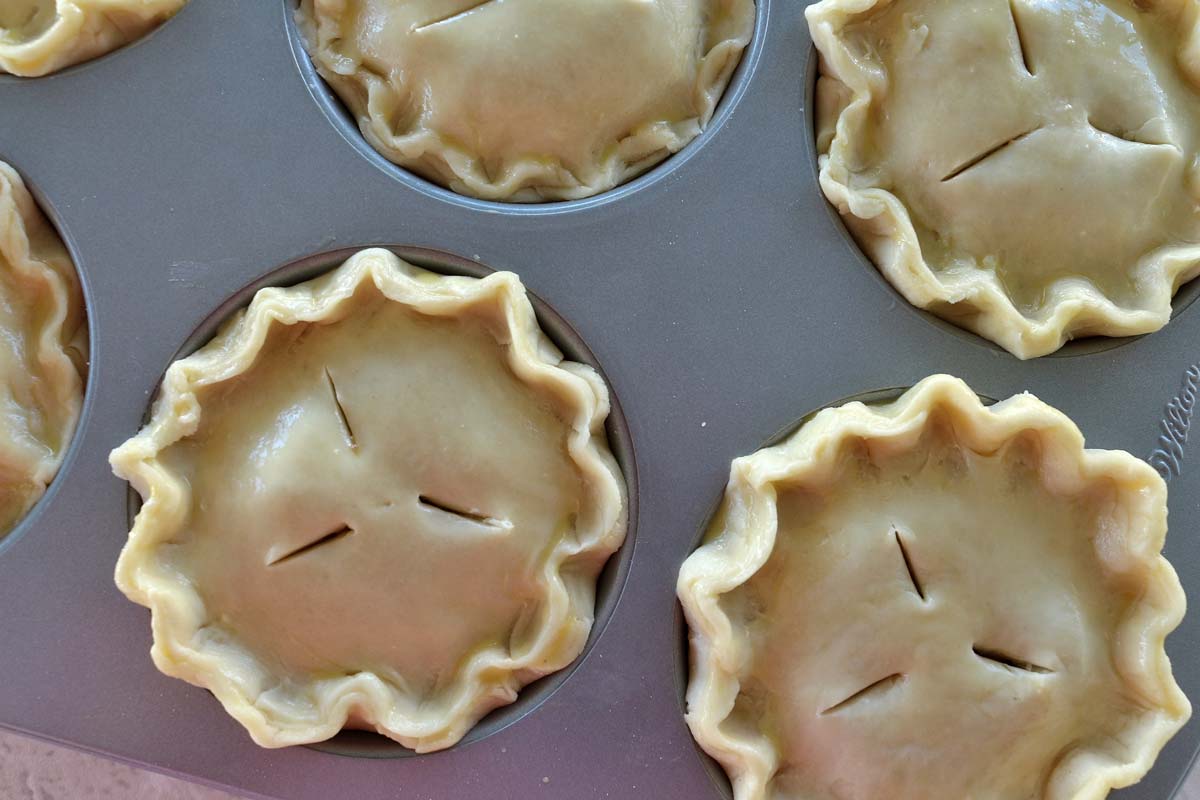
column 42, row 350
column 527, row 100
column 934, row 599
column 38, row 37
column 378, row 499
column 1026, row 169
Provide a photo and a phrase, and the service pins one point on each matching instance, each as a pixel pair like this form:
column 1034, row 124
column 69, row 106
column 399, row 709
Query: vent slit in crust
column 1124, row 136
column 469, row 516
column 343, row 420
column 878, row 687
column 1022, row 49
column 986, row 154
column 329, row 538
column 908, row 565
column 1010, row 662
column 457, row 15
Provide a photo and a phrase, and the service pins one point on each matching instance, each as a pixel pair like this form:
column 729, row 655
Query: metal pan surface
column 719, row 293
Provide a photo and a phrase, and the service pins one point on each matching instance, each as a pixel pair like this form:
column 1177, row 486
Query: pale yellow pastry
column 528, row 99
column 43, row 346
column 378, row 499
column 1026, row 169
column 934, row 599
column 38, row 37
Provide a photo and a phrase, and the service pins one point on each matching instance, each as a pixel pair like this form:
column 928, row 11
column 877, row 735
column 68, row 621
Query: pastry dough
column 528, row 99
column 1026, row 169
column 38, row 37
column 378, row 499
column 934, row 599
column 42, row 347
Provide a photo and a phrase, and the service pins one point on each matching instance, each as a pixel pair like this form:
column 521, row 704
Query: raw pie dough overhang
column 378, row 499
column 38, row 37
column 1027, row 169
column 528, row 100
column 934, row 599
column 42, row 350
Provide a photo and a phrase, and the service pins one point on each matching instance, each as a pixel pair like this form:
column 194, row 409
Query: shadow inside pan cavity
column 611, row 581
column 343, row 120
column 25, row 20
column 1083, row 346
column 682, row 668
column 80, row 352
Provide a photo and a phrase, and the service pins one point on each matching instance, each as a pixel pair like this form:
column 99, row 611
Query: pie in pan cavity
column 933, row 598
column 528, row 100
column 379, row 499
column 43, row 341
column 1026, row 169
column 38, row 37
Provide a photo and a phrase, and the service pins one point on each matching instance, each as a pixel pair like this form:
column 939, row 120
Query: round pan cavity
column 29, row 521
column 344, row 122
column 683, row 664
column 1088, row 345
column 368, row 744
column 80, row 65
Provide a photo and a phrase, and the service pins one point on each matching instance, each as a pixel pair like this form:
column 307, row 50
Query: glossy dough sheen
column 934, row 599
column 1026, row 169
column 38, row 37
column 43, row 346
column 380, row 498
column 528, row 99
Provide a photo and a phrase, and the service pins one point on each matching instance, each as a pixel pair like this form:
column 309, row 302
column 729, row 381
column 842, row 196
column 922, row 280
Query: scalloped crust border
column 730, row 558
column 881, row 224
column 428, row 154
column 83, row 30
column 490, row 677
column 37, row 257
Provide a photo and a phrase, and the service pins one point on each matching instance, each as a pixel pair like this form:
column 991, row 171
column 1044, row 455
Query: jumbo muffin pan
column 719, row 293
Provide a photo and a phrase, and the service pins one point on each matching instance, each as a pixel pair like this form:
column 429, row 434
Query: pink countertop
column 33, row 770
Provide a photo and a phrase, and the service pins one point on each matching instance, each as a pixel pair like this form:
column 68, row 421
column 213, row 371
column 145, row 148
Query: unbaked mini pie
column 934, row 599
column 43, row 346
column 38, row 37
column 1026, row 169
column 378, row 499
column 528, row 100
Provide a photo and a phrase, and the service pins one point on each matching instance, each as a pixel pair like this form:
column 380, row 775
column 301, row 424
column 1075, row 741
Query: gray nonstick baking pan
column 719, row 293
